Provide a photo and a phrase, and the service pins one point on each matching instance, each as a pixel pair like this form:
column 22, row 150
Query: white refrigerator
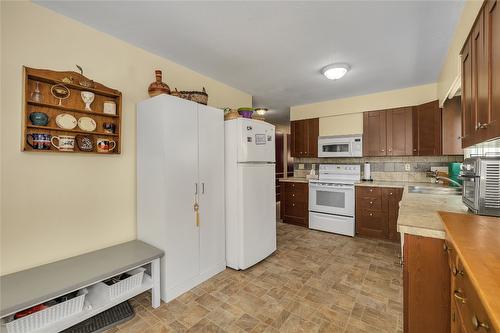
column 250, row 191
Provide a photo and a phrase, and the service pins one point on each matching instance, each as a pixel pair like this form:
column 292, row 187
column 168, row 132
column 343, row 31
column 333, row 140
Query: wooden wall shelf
column 73, row 105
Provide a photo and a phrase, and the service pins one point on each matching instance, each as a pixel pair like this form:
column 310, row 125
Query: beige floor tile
column 314, row 282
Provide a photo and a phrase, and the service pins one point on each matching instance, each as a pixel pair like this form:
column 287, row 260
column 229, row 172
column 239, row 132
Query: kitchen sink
column 435, row 190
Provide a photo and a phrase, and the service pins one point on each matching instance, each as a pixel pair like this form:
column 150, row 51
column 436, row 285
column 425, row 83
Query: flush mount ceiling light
column 261, row 111
column 335, row 71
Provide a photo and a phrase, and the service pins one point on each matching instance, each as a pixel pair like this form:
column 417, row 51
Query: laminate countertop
column 477, row 242
column 294, row 180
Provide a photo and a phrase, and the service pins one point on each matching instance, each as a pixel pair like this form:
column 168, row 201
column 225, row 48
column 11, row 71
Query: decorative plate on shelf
column 66, row 121
column 87, row 124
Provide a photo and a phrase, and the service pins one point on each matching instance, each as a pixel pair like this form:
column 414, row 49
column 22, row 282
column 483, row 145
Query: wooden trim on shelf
column 71, row 130
column 65, row 108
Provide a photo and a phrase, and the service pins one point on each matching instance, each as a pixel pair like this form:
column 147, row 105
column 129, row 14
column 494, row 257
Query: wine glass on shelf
column 36, row 95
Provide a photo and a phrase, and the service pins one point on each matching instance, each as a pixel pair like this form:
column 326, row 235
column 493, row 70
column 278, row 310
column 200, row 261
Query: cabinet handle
column 481, row 126
column 458, row 295
column 456, row 272
column 477, row 324
column 445, row 246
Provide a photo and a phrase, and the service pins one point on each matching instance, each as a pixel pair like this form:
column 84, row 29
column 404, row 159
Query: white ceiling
column 275, row 50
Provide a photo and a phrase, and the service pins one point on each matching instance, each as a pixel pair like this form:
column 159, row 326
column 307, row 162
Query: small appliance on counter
column 481, row 185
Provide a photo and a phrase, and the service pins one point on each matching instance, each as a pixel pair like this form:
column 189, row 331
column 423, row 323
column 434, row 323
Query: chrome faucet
column 434, row 174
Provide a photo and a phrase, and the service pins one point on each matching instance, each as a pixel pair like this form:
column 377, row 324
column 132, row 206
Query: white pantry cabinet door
column 167, row 153
column 211, row 197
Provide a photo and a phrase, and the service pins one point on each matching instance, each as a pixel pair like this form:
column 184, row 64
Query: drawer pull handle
column 458, row 295
column 457, row 272
column 477, row 324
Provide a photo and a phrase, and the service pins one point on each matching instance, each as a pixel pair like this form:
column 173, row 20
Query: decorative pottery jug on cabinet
column 158, row 87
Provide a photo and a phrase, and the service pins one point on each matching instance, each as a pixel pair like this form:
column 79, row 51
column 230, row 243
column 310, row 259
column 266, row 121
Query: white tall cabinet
column 180, row 163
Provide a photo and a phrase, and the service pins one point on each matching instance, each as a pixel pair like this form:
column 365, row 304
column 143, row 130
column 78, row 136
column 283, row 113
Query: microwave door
column 335, row 149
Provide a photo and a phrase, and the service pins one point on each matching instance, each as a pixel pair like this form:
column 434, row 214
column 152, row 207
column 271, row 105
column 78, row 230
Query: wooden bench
column 24, row 289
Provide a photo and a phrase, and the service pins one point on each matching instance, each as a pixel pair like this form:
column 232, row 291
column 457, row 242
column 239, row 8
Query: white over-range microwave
column 340, row 146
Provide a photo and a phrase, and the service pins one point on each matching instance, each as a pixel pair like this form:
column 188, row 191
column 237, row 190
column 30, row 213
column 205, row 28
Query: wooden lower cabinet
column 467, row 312
column 377, row 211
column 295, row 203
column 426, row 283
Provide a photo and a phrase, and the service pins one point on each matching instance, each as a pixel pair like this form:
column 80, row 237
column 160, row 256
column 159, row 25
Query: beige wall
column 345, row 116
column 451, row 67
column 351, row 123
column 54, row 205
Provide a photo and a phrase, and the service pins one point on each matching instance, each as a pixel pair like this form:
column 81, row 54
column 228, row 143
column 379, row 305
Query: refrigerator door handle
column 195, row 188
column 202, row 188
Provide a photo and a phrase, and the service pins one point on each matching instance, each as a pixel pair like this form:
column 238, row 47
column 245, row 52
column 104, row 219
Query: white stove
column 331, row 198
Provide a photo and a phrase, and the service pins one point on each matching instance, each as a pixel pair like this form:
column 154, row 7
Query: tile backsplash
column 382, row 168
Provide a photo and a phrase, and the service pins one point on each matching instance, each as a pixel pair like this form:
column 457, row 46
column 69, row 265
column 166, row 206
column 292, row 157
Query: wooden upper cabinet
column 480, row 116
column 481, row 77
column 304, row 137
column 492, row 37
column 374, row 133
column 312, row 137
column 452, row 127
column 399, row 131
column 427, row 129
column 467, row 97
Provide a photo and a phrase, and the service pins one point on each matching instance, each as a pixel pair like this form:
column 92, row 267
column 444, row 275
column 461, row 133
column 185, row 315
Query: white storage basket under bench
column 88, row 277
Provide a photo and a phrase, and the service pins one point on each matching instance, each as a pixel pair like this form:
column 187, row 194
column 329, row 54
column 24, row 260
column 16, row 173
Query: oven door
column 334, row 148
column 470, row 191
column 331, row 198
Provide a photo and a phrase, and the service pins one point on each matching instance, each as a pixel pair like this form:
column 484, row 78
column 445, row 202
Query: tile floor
column 315, row 282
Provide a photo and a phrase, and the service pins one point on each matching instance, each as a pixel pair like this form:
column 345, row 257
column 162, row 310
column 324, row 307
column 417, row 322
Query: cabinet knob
column 390, row 193
column 414, row 149
column 293, row 195
column 477, row 324
column 458, row 295
column 481, row 126
column 382, row 150
column 293, row 205
column 371, row 202
column 456, row 272
column 389, row 150
column 371, row 190
column 445, row 246
column 371, row 214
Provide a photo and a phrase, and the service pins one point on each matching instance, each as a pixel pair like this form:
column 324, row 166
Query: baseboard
column 180, row 289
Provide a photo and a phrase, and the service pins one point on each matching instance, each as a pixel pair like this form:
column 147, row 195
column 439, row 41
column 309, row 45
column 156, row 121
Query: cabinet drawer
column 469, row 307
column 293, row 208
column 296, row 192
column 371, row 203
column 368, row 191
